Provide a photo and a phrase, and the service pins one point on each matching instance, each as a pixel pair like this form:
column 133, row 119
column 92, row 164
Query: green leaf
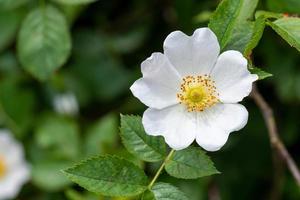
column 268, row 15
column 58, row 135
column 73, row 2
column 9, row 24
column 47, row 175
column 102, row 135
column 260, row 73
column 164, row 191
column 290, row 6
column 44, row 42
column 231, row 15
column 109, row 175
column 10, row 4
column 258, row 30
column 137, row 142
column 190, row 163
column 289, row 29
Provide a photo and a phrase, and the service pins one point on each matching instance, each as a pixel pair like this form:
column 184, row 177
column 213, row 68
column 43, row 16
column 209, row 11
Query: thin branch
column 275, row 140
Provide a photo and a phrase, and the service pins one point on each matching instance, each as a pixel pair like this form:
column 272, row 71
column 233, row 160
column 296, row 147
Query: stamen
column 2, row 167
column 198, row 92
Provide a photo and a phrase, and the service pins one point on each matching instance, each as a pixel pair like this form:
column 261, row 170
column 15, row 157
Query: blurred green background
column 109, row 41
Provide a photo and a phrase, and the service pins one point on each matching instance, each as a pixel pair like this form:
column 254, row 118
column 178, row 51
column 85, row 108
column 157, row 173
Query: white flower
column 193, row 92
column 14, row 171
column 66, row 104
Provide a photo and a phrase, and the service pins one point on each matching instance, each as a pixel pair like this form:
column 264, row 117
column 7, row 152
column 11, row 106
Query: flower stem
column 161, row 168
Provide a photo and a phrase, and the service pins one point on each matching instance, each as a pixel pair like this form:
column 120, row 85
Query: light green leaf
column 164, row 191
column 58, row 135
column 137, row 142
column 72, row 2
column 44, row 42
column 268, row 15
column 102, row 135
column 47, row 175
column 229, row 15
column 258, row 30
column 11, row 4
column 109, row 175
column 190, row 163
column 260, row 73
column 289, row 29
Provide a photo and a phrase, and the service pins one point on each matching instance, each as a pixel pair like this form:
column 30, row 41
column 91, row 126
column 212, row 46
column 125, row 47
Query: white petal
column 215, row 124
column 192, row 55
column 233, row 80
column 160, row 82
column 174, row 123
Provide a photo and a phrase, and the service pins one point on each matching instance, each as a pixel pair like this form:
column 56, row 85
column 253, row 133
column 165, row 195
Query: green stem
column 161, row 168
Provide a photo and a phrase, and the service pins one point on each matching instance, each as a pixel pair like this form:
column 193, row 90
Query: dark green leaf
column 260, row 73
column 190, row 163
column 289, row 29
column 164, row 191
column 137, row 142
column 109, row 175
column 44, row 42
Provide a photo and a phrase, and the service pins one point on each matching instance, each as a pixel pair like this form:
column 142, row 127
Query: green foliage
column 190, row 163
column 9, row 24
column 292, row 6
column 289, row 29
column 259, row 26
column 109, row 175
column 9, row 5
column 44, row 42
column 138, row 143
column 230, row 23
column 164, row 191
column 47, row 176
column 58, row 135
column 261, row 74
column 102, row 135
column 74, row 2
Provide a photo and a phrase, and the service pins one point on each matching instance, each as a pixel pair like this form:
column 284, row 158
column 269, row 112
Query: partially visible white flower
column 193, row 92
column 66, row 104
column 14, row 171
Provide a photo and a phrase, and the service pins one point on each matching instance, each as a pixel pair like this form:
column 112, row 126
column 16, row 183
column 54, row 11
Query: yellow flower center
column 2, row 167
column 198, row 93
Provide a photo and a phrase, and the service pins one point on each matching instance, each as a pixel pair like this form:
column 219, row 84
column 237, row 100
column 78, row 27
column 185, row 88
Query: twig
column 273, row 134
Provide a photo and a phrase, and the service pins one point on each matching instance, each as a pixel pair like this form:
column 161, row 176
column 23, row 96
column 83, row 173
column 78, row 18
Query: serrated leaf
column 164, row 191
column 289, row 29
column 44, row 42
column 260, row 73
column 137, row 142
column 190, row 163
column 109, row 175
column 229, row 15
column 73, row 2
column 258, row 29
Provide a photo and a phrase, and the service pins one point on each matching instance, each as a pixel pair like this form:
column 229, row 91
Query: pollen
column 198, row 93
column 2, row 167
